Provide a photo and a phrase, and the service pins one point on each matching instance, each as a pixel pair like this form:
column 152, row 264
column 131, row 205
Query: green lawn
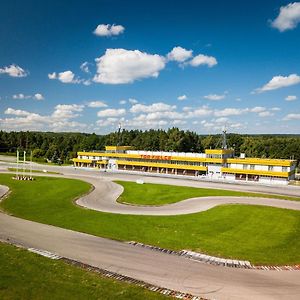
column 33, row 171
column 160, row 194
column 263, row 235
column 25, row 275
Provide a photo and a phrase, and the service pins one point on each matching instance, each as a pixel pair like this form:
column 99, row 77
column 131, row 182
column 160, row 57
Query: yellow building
column 215, row 164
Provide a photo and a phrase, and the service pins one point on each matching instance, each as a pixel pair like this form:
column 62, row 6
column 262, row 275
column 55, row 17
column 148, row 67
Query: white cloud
column 155, row 107
column 291, row 98
column 14, row 71
column 179, row 54
column 288, row 18
column 278, row 82
column 187, row 108
column 64, row 77
column 52, row 75
column 182, row 97
column 122, row 102
column 158, row 115
column 96, row 104
column 67, row 111
column 229, row 112
column 221, row 120
column 290, row 117
column 132, row 101
column 200, row 112
column 107, row 122
column 201, row 59
column 145, row 124
column 257, row 109
column 38, row 97
column 108, row 30
column 214, row 97
column 85, row 67
column 265, row 114
column 178, row 122
column 111, row 112
column 21, row 96
column 16, row 112
column 86, row 82
column 236, row 125
column 67, row 77
column 68, row 126
column 59, row 120
column 118, row 66
column 276, row 109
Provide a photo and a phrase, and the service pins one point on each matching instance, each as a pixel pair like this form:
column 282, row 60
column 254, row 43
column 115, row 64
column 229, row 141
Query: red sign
column 157, row 157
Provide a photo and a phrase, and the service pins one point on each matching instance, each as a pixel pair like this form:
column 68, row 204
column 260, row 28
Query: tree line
column 64, row 146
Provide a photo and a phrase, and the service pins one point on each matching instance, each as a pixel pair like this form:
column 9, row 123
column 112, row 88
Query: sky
column 87, row 66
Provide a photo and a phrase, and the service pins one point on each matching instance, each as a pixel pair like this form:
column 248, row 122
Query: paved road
column 103, row 198
column 154, row 267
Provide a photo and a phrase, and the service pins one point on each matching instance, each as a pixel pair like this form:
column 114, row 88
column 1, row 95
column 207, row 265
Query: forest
column 61, row 147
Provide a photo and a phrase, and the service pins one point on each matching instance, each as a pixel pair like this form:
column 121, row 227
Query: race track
column 174, row 272
column 105, row 194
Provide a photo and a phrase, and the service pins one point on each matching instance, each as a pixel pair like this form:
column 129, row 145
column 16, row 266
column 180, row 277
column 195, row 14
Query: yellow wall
column 82, row 160
column 218, row 151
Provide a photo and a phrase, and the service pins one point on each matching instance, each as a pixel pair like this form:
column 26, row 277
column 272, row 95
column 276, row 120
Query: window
column 284, row 169
column 245, row 167
column 252, row 167
column 270, row 168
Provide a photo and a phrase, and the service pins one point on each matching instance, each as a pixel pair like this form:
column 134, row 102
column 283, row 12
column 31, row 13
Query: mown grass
column 160, row 194
column 263, row 235
column 33, row 171
column 25, row 275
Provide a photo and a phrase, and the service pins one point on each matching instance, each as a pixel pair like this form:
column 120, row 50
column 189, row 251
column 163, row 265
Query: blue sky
column 198, row 65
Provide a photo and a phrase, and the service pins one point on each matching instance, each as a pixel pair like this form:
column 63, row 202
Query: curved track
column 154, row 267
column 106, row 192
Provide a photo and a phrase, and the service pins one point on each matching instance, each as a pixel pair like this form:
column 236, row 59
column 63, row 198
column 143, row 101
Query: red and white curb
column 213, row 260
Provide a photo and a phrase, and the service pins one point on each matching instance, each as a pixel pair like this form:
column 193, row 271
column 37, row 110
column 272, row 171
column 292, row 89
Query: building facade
column 214, row 164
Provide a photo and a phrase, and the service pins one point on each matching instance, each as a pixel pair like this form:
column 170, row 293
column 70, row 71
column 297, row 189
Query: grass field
column 263, row 235
column 25, row 275
column 160, row 194
column 33, row 171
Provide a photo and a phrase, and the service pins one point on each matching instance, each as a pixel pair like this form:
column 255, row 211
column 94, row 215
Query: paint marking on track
column 44, row 253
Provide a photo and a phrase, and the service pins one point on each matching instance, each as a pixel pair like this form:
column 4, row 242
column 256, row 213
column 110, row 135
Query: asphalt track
column 161, row 269
column 106, row 192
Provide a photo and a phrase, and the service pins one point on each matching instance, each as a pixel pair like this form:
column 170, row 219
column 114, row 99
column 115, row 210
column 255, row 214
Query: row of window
column 252, row 167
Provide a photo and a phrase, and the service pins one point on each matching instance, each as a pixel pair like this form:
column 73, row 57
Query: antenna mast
column 224, row 139
column 119, row 134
